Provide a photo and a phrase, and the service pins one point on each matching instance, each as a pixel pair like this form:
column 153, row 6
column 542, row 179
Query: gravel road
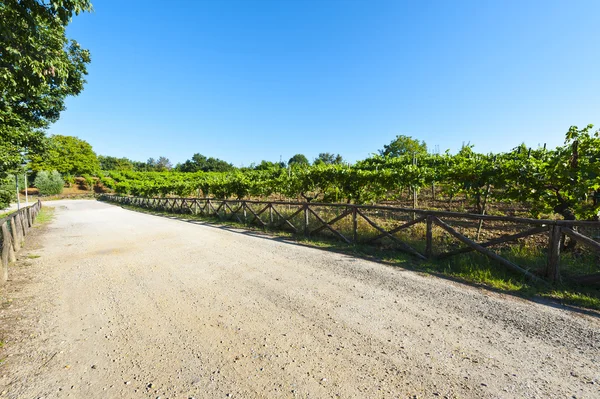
column 121, row 304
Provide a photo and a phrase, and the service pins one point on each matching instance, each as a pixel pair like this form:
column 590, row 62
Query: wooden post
column 354, row 225
column 24, row 224
column 245, row 213
column 16, row 237
column 271, row 214
column 22, row 228
column 6, row 246
column 553, row 265
column 414, row 190
column 306, row 220
column 429, row 237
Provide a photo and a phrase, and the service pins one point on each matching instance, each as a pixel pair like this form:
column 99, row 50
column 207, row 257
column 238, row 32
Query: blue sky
column 251, row 80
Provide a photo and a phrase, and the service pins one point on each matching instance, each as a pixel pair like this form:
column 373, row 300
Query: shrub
column 6, row 195
column 49, row 183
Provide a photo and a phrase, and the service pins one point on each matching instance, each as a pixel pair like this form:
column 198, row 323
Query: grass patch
column 45, row 215
column 33, row 256
column 472, row 268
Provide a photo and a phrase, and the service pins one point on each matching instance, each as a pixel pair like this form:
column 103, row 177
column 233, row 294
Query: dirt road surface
column 121, row 304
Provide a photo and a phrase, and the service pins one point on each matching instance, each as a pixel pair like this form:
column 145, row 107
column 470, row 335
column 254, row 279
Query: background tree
column 201, row 163
column 404, row 145
column 268, row 165
column 67, row 155
column 39, row 67
column 328, row 159
column 163, row 164
column 298, row 159
column 114, row 163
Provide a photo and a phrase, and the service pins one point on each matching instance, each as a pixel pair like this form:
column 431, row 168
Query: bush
column 6, row 195
column 8, row 191
column 49, row 183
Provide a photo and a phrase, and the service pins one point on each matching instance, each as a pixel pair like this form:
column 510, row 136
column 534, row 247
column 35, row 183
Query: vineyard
column 559, row 183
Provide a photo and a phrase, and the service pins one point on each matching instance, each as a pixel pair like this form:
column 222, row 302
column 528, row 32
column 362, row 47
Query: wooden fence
column 14, row 228
column 266, row 214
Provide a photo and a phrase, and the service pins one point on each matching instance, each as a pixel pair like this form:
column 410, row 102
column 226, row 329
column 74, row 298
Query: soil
column 111, row 303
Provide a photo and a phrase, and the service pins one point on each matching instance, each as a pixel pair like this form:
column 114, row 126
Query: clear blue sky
column 250, row 80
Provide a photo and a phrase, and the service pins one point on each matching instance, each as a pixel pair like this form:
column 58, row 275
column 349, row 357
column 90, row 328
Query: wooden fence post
column 14, row 229
column 553, row 265
column 6, row 247
column 354, row 225
column 21, row 223
column 306, row 220
column 429, row 237
column 271, row 214
column 245, row 212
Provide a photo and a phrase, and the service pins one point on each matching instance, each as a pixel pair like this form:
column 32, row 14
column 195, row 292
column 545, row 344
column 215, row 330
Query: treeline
column 201, row 163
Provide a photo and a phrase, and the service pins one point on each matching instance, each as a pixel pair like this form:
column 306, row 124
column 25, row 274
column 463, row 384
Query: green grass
column 33, row 256
column 45, row 215
column 472, row 268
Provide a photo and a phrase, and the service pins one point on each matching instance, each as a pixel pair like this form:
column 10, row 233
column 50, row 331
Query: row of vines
column 563, row 181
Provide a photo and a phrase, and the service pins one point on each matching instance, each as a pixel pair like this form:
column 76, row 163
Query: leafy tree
column 298, row 159
column 162, row 164
column 328, row 159
column 268, row 165
column 49, row 183
column 403, row 145
column 114, row 163
column 67, row 155
column 39, row 68
column 201, row 163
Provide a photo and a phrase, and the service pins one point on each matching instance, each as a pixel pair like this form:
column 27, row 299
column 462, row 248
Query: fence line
column 251, row 212
column 14, row 228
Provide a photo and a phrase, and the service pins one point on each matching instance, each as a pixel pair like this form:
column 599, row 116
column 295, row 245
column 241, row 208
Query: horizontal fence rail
column 14, row 228
column 386, row 223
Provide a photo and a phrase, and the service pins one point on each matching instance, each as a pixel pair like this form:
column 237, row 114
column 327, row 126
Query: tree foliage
column 114, row 163
column 67, row 155
column 328, row 158
column 39, row 68
column 161, row 164
column 403, row 145
column 298, row 159
column 201, row 163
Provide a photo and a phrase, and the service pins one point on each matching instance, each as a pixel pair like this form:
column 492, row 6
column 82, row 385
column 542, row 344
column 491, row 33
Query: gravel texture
column 122, row 304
